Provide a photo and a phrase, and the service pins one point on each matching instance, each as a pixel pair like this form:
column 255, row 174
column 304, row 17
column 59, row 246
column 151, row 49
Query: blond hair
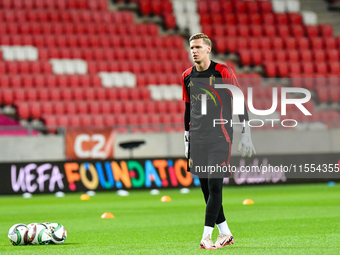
column 205, row 38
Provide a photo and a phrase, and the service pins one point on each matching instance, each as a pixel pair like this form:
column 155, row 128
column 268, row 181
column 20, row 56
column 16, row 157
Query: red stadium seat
column 268, row 55
column 227, row 7
column 307, row 68
column 316, row 43
column 265, row 6
column 269, row 31
column 256, row 57
column 59, row 108
column 94, row 107
column 24, row 67
column 139, row 107
column 332, row 55
column 74, row 120
column 270, row 68
column 46, row 108
column 334, row 67
column 297, row 30
column 311, row 31
column 23, row 110
column 252, row 7
column 81, row 107
column 265, row 43
column 218, row 30
column 242, row 19
column 223, row 45
column 27, row 81
column 295, row 18
column 245, row 57
column 15, row 81
column 109, row 120
column 144, row 93
column 242, row 43
column 145, row 7
column 43, row 94
column 293, row 56
column 19, row 95
column 50, row 41
column 230, row 19
column 290, row 43
column 240, row 7
column 132, row 119
column 51, row 81
column 326, row 30
column 12, row 67
column 243, row 30
column 97, row 120
column 255, row 19
column 256, row 30
column 150, row 107
column 322, row 94
column 283, row 31
column 217, row 19
column 254, row 43
column 302, row 43
column 282, row 69
column 277, row 43
column 319, row 55
column 62, row 120
column 35, row 110
column 78, row 93
column 294, row 67
column 330, row 43
column 169, row 20
column 66, row 94
column 281, row 19
column 321, row 68
column 281, row 56
column 268, row 19
column 31, row 94
column 39, row 81
column 306, row 55
column 117, row 107
column 231, row 31
column 105, row 107
column 7, row 96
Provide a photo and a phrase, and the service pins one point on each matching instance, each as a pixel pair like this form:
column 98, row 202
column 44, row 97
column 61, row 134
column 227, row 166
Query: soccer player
column 208, row 145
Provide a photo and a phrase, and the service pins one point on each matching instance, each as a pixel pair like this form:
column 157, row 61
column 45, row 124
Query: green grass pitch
column 285, row 219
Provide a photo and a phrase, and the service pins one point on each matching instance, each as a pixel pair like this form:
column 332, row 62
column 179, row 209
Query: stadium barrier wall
column 99, row 175
column 76, row 176
column 268, row 142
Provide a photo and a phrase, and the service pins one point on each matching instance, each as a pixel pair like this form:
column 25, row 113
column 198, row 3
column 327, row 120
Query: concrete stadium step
column 324, row 15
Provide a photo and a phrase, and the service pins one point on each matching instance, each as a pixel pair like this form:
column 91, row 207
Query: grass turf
column 285, row 219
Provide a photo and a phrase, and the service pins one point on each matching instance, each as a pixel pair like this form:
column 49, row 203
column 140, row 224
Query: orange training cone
column 166, row 199
column 248, row 202
column 84, row 197
column 107, row 215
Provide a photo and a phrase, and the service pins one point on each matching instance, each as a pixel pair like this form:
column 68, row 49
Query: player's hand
column 186, row 143
column 246, row 145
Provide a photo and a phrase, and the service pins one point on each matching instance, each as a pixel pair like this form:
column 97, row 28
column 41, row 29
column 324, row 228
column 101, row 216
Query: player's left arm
column 245, row 144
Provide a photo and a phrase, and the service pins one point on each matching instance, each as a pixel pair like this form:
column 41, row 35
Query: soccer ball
column 17, row 234
column 39, row 234
column 58, row 232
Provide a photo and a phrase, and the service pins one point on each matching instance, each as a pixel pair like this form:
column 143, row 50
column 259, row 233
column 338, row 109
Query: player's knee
column 215, row 186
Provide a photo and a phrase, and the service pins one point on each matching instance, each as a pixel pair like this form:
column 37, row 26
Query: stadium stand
column 77, row 63
column 285, row 40
column 66, row 62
